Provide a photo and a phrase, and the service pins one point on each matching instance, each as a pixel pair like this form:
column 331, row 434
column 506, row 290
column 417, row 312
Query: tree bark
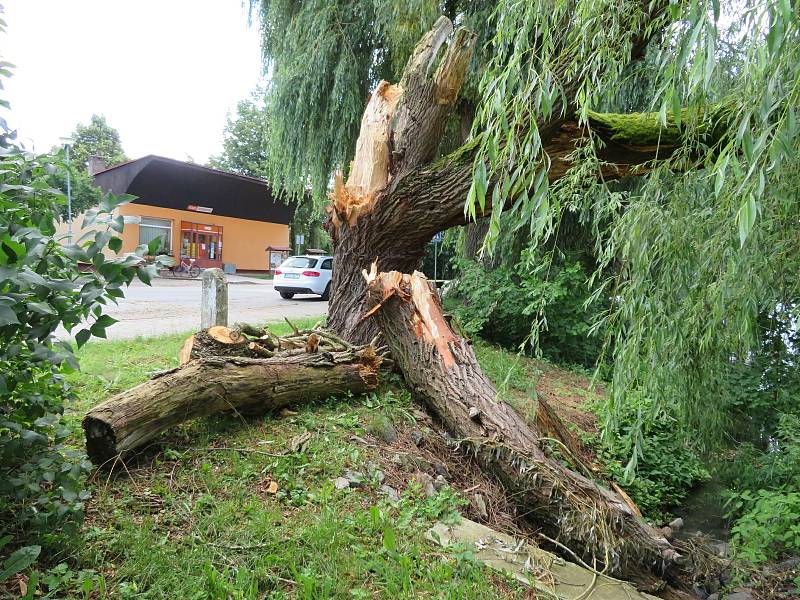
column 204, row 386
column 442, row 371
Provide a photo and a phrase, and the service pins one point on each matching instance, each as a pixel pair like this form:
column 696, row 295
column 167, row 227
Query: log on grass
column 442, row 371
column 124, row 423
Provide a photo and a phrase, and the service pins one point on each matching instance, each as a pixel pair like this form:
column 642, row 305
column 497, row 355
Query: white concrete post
column 214, row 300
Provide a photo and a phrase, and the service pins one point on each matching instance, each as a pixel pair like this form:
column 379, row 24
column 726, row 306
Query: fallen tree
column 222, row 371
column 442, row 371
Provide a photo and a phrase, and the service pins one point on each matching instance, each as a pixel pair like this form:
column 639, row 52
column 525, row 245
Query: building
column 215, row 217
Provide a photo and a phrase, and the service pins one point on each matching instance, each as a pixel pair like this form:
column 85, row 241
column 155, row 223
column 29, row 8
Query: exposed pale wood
column 442, row 371
column 185, row 353
column 260, row 350
column 224, row 335
column 420, row 197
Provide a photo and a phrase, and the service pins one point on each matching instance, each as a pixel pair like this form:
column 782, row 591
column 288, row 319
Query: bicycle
column 185, row 269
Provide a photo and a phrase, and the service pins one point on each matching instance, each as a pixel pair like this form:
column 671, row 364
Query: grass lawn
column 222, row 508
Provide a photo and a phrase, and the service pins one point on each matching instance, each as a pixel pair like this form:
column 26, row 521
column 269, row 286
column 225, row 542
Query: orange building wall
column 243, row 242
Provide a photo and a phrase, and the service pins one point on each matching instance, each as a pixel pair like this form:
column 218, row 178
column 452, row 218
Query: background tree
column 98, row 139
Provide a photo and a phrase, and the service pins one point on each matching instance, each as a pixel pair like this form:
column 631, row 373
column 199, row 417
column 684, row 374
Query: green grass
column 191, row 519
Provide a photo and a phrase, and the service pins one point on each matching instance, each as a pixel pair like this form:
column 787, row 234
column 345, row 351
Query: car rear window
column 300, row 262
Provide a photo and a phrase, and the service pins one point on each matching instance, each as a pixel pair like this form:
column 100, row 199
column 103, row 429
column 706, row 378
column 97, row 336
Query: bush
column 42, row 288
column 768, row 529
column 666, row 468
column 501, row 305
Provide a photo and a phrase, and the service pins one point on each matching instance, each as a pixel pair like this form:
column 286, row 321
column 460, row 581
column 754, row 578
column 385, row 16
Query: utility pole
column 67, row 141
column 69, row 199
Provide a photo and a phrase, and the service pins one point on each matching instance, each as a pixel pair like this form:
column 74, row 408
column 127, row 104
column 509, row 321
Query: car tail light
column 311, row 273
column 278, row 272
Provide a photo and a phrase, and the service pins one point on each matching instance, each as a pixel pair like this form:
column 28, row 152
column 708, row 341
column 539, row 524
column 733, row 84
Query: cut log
column 442, row 371
column 124, row 423
column 223, row 335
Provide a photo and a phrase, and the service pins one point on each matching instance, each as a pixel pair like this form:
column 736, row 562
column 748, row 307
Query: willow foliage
column 707, row 240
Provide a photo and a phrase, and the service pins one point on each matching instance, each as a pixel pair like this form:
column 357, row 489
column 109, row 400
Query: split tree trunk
column 127, row 421
column 441, row 369
column 397, row 197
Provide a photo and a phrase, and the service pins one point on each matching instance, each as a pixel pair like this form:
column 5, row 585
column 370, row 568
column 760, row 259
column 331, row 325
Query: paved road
column 171, row 306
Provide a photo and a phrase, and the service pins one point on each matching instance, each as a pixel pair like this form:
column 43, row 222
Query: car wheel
column 287, row 295
column 327, row 293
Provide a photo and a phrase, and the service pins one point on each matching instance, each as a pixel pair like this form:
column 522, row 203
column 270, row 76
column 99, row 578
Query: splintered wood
column 428, row 322
column 369, row 171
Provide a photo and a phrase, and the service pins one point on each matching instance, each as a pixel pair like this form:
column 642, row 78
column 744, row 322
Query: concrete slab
column 548, row 574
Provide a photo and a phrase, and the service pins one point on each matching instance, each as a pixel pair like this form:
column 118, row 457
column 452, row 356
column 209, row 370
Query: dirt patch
column 435, row 458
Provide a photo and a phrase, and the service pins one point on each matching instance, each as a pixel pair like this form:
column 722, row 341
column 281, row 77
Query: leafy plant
column 769, row 528
column 665, row 467
column 502, row 303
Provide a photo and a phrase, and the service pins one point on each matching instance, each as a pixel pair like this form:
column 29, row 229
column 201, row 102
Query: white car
column 305, row 274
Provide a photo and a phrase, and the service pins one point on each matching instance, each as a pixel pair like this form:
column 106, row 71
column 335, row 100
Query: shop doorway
column 202, row 243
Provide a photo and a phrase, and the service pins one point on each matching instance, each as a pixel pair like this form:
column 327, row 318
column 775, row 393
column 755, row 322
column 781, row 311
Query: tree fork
column 442, row 371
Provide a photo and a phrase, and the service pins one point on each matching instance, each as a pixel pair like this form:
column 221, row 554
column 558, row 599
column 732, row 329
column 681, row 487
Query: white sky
column 165, row 73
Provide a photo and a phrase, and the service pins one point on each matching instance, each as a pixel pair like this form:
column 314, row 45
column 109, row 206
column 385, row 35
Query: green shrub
column 666, row 468
column 42, row 288
column 761, row 498
column 502, row 304
column 768, row 529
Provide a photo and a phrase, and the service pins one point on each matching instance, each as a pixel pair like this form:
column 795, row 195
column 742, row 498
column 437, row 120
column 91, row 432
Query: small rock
column 667, row 532
column 417, row 437
column 430, row 489
column 440, row 470
column 787, row 565
column 420, row 415
column 720, row 548
column 354, row 478
column 740, row 596
column 382, row 427
column 714, row 596
column 474, row 412
column 341, row 483
column 391, row 493
column 699, row 592
column 676, row 524
column 379, row 475
column 420, row 463
column 480, row 505
column 712, row 585
column 440, row 482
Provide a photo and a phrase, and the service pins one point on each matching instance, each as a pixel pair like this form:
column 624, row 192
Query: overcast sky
column 165, row 73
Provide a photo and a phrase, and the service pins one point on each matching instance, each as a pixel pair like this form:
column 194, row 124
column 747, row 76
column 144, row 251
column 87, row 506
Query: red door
column 203, row 243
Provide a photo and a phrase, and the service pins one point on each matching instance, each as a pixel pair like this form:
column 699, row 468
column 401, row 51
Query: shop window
column 150, row 229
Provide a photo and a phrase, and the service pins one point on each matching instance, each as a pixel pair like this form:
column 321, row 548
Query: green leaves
column 19, row 560
column 746, row 218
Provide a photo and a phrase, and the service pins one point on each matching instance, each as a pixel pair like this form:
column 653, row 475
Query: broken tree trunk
column 398, row 196
column 443, row 372
column 207, row 384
